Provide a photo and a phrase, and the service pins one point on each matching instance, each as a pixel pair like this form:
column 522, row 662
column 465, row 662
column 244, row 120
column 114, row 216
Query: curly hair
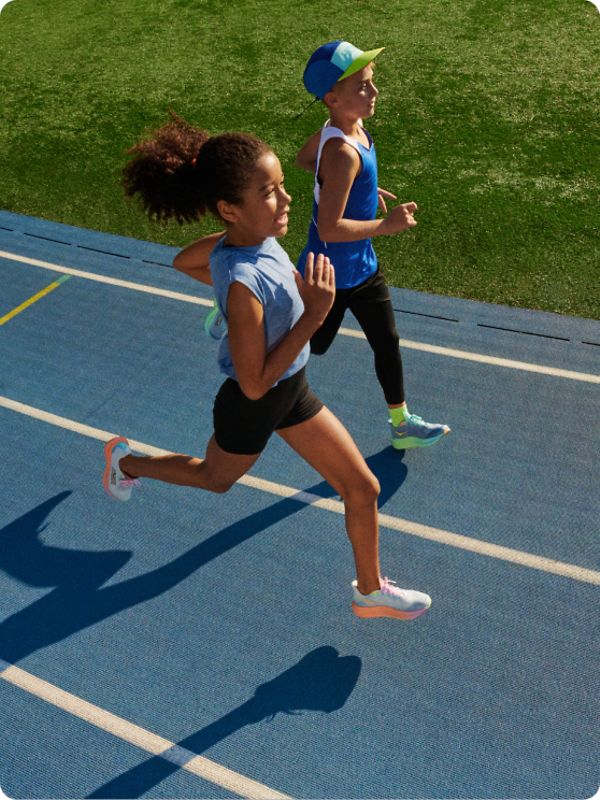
column 181, row 172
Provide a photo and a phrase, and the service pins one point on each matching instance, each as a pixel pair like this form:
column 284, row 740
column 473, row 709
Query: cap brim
column 361, row 62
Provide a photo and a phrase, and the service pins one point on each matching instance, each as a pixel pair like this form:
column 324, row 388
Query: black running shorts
column 244, row 426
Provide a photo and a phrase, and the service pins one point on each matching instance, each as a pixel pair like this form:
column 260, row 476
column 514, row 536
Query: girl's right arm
column 307, row 155
column 194, row 259
column 257, row 371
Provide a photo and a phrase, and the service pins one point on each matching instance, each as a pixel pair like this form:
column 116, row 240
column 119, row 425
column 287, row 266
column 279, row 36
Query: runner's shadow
column 391, row 471
column 321, row 681
column 79, row 599
column 29, row 560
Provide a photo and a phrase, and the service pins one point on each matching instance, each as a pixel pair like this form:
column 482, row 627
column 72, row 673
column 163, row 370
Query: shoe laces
column 128, row 483
column 389, row 587
column 411, row 419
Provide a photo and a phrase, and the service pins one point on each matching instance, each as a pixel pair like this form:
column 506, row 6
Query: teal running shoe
column 214, row 325
column 389, row 601
column 415, row 432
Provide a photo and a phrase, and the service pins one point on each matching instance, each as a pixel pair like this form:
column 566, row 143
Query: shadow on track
column 321, row 681
column 78, row 599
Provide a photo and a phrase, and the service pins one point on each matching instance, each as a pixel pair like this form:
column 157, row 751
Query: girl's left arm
column 257, row 371
column 194, row 259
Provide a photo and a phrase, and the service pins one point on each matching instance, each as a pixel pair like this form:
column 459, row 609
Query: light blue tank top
column 353, row 262
column 269, row 274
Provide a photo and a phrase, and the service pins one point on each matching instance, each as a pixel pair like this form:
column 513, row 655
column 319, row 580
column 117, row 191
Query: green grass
column 487, row 118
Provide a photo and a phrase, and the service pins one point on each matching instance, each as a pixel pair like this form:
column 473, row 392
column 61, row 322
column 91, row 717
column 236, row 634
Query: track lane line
column 495, row 361
column 33, row 299
column 448, row 352
column 139, row 737
column 94, row 276
column 448, row 538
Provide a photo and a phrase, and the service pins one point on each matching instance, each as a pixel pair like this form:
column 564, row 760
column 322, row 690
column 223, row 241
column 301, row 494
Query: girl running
column 271, row 313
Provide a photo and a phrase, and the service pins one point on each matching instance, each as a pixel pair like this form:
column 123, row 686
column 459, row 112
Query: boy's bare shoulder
column 336, row 152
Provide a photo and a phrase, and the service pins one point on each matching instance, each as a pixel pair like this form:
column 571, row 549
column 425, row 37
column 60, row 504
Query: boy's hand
column 317, row 288
column 383, row 195
column 399, row 219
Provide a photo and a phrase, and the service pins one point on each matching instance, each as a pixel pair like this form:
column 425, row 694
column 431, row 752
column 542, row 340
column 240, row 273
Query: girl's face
column 263, row 211
column 356, row 95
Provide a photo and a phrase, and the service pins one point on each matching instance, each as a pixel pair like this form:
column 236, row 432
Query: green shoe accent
column 398, row 415
column 214, row 324
column 415, row 432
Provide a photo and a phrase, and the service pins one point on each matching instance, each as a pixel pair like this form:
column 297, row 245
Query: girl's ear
column 227, row 211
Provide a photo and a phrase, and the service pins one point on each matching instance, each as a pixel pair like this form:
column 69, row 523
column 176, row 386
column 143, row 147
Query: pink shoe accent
column 125, row 483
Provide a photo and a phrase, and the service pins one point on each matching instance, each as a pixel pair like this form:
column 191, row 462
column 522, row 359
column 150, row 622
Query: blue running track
column 187, row 645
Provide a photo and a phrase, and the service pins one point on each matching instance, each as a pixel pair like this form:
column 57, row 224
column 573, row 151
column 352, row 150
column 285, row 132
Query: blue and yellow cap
column 332, row 62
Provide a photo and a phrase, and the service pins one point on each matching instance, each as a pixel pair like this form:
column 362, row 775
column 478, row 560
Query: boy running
column 346, row 198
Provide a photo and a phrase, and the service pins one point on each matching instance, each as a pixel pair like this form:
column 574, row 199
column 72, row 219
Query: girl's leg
column 217, row 472
column 328, row 447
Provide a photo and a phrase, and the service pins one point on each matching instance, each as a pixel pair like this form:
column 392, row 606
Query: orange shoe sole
column 108, row 448
column 370, row 612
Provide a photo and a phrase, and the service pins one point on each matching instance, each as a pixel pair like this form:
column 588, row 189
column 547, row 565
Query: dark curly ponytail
column 182, row 172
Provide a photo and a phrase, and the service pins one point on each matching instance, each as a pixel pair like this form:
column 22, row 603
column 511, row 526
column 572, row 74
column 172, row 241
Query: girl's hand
column 399, row 219
column 383, row 195
column 317, row 288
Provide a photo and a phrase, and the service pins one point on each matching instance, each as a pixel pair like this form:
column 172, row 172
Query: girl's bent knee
column 220, row 487
column 364, row 492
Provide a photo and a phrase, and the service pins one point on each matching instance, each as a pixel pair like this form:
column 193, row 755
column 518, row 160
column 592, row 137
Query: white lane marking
column 139, row 737
column 479, row 546
column 94, row 276
column 465, row 355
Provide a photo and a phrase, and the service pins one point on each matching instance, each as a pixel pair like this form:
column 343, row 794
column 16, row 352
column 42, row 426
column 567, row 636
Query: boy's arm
column 340, row 164
column 383, row 196
column 307, row 155
column 194, row 259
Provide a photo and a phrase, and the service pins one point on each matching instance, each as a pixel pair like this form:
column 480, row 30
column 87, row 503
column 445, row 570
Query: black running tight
column 371, row 304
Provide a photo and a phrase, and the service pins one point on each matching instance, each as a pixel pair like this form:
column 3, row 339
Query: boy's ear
column 330, row 99
column 227, row 211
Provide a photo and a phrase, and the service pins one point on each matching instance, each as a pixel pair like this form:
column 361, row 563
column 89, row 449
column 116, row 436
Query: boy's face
column 355, row 95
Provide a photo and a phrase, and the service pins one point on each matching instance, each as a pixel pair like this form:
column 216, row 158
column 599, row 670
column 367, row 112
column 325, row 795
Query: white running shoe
column 116, row 484
column 390, row 601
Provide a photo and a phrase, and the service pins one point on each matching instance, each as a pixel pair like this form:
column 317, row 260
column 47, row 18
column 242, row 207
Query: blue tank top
column 353, row 262
column 269, row 274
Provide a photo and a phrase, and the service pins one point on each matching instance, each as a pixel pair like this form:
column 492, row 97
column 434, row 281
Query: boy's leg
column 324, row 336
column 371, row 304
